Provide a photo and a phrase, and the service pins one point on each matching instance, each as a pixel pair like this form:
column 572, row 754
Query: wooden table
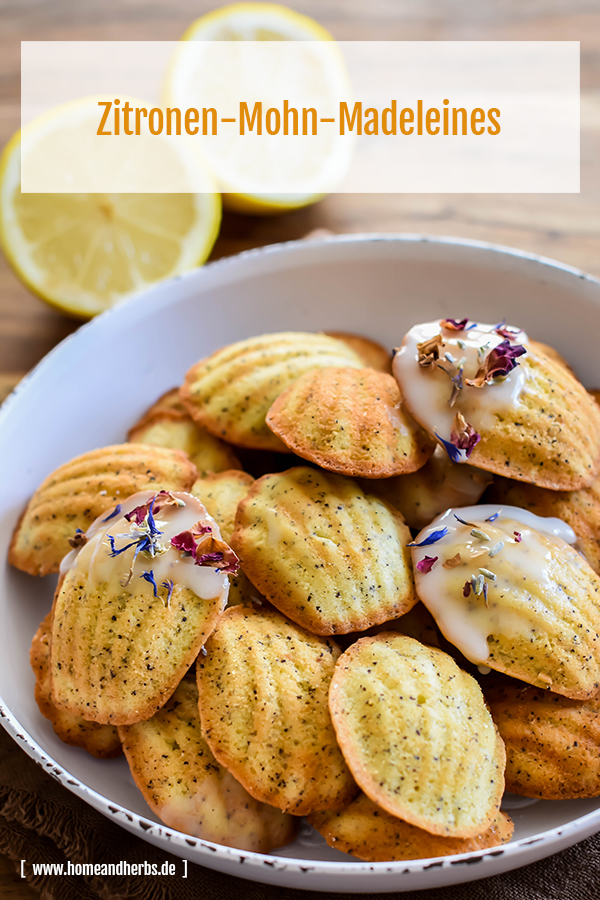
column 563, row 226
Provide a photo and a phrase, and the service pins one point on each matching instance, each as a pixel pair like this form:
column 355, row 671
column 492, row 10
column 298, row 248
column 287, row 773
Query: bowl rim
column 565, row 835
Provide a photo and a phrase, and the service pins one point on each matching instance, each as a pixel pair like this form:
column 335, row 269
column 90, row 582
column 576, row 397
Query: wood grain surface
column 563, row 226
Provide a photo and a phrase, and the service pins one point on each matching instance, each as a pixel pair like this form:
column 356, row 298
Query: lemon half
column 251, row 170
column 83, row 252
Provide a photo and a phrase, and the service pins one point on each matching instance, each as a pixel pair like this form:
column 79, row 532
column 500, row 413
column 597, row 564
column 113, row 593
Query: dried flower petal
column 464, row 522
column 453, row 562
column 429, row 351
column 148, row 575
column 506, row 331
column 78, row 540
column 217, row 554
column 185, row 542
column 426, row 564
column 433, row 538
column 518, row 536
column 464, row 436
column 454, row 324
column 169, row 586
column 498, row 363
column 463, row 440
column 456, row 455
column 114, row 513
column 466, row 588
column 206, row 549
column 493, row 517
column 152, row 506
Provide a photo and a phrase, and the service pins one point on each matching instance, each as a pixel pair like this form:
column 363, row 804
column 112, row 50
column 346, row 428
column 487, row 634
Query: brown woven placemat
column 42, row 822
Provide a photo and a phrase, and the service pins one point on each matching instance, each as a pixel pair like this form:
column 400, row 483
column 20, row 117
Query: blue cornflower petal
column 433, row 538
column 154, row 532
column 464, row 522
column 455, row 454
column 493, row 517
column 114, row 513
column 148, row 575
column 169, row 586
column 114, row 550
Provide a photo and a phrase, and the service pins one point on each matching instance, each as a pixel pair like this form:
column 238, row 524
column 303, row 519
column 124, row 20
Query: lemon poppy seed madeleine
column 421, row 496
column 579, row 509
column 168, row 424
column 552, row 743
column 509, row 590
column 263, row 686
column 101, row 741
column 328, row 555
column 230, row 392
column 551, row 353
column 373, row 354
column 368, row 832
column 79, row 491
column 494, row 400
column 417, row 735
column 221, row 493
column 186, row 787
column 135, row 604
column 350, row 421
column 169, row 402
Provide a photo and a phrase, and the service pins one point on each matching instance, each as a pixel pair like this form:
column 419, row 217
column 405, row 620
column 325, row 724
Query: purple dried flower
column 506, row 331
column 498, row 363
column 426, row 564
column 184, row 541
column 518, row 536
column 454, row 324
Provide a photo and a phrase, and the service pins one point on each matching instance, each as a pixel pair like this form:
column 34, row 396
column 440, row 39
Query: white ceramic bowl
column 91, row 388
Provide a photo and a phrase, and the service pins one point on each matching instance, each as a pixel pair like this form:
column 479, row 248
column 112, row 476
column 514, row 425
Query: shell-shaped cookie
column 81, row 490
column 417, row 735
column 368, row 832
column 552, row 354
column 101, row 741
column 579, row 509
column 500, row 403
column 167, row 424
column 509, row 592
column 438, row 485
column 552, row 743
column 231, row 391
column 552, row 437
column 373, row 354
column 134, row 609
column 263, row 689
column 221, row 493
column 186, row 787
column 326, row 554
column 169, row 402
column 350, row 421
